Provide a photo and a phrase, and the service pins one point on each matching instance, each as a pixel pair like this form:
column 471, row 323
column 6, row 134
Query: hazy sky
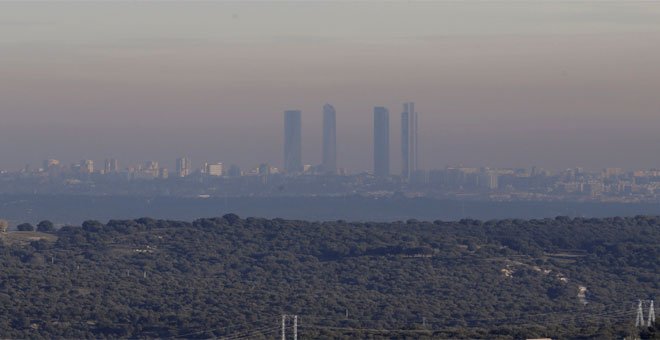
column 518, row 83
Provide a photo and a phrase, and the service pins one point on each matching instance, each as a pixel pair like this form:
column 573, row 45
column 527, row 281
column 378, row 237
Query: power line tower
column 651, row 319
column 639, row 321
column 286, row 318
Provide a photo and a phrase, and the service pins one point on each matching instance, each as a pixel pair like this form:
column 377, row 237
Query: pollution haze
column 503, row 84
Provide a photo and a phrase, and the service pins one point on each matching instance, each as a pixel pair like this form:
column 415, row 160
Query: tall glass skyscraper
column 292, row 141
column 329, row 139
column 381, row 142
column 409, row 140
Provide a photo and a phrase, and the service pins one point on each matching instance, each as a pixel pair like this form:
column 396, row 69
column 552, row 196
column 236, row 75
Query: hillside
column 228, row 276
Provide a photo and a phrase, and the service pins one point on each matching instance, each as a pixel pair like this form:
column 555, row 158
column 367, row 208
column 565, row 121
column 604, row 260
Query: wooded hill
column 232, row 277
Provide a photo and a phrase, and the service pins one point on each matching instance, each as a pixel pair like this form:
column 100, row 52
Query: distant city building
column 329, row 164
column 50, row 164
column 214, row 169
column 293, row 141
column 409, row 140
column 419, row 177
column 151, row 169
column 234, row 171
column 87, row 166
column 163, row 173
column 264, row 169
column 111, row 166
column 381, row 142
column 183, row 167
column 489, row 180
column 612, row 172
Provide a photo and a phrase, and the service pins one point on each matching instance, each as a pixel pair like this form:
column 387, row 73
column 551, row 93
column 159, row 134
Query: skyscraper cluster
column 381, row 141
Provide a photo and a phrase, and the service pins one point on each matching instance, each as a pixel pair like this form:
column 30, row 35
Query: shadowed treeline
column 74, row 209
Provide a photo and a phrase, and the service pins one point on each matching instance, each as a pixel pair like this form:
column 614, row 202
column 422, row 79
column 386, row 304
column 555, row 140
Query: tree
column 231, row 218
column 45, row 226
column 25, row 227
column 92, row 226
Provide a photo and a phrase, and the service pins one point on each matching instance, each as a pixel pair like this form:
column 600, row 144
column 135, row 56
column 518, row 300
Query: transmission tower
column 651, row 320
column 285, row 319
column 639, row 321
column 295, row 325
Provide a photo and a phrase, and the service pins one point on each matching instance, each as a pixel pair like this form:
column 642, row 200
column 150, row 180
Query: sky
column 552, row 84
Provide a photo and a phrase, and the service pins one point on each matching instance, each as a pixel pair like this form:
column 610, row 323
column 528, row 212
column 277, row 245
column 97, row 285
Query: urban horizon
column 294, row 162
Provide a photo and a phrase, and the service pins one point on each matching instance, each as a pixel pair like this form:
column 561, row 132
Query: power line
column 290, row 323
column 252, row 333
column 226, row 329
column 550, row 318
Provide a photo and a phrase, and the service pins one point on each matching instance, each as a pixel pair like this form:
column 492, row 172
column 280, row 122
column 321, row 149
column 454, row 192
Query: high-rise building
column 329, row 164
column 183, row 166
column 293, row 141
column 214, row 169
column 111, row 165
column 381, row 142
column 409, row 140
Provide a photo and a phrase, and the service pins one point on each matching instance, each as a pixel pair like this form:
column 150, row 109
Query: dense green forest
column 234, row 278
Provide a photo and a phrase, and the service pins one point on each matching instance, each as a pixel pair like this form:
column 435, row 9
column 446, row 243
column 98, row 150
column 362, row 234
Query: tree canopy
column 213, row 277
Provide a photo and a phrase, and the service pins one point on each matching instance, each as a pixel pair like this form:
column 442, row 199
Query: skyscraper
column 329, row 139
column 292, row 141
column 381, row 142
column 409, row 140
column 183, row 166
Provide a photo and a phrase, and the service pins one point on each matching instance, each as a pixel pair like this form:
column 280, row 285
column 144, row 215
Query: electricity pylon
column 639, row 321
column 651, row 320
column 285, row 318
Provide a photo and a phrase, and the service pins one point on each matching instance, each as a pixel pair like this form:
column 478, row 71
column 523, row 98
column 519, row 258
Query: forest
column 233, row 278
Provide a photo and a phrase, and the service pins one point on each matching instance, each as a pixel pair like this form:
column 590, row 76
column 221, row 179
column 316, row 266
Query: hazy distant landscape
column 73, row 209
column 303, row 170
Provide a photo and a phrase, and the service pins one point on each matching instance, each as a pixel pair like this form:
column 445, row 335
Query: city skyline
column 295, row 160
column 213, row 179
column 510, row 84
